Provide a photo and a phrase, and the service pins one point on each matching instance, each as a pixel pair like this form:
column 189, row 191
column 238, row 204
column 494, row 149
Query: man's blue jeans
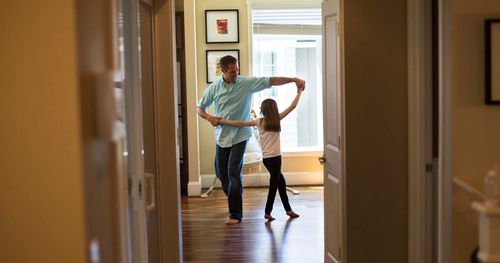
column 228, row 166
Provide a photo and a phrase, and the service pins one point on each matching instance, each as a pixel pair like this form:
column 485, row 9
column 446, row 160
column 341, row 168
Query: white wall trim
column 262, row 179
column 194, row 189
column 192, row 90
column 419, row 15
column 445, row 171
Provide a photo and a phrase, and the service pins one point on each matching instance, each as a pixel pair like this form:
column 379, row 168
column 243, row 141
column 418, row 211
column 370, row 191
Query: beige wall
column 476, row 126
column 41, row 202
column 376, row 172
column 206, row 131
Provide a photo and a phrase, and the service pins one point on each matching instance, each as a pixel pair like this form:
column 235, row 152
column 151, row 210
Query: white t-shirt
column 269, row 140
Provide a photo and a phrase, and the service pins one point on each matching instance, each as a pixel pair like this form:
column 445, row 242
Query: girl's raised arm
column 238, row 123
column 292, row 106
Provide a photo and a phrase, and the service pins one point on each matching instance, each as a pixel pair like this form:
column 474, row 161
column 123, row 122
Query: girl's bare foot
column 292, row 214
column 232, row 221
column 269, row 217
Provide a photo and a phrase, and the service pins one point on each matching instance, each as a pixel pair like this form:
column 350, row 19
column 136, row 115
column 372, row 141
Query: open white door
column 134, row 128
column 333, row 108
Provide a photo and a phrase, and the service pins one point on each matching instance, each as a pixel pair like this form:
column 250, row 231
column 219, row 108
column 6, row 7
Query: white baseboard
column 194, row 188
column 262, row 179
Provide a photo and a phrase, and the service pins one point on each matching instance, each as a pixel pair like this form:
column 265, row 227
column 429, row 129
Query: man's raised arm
column 276, row 81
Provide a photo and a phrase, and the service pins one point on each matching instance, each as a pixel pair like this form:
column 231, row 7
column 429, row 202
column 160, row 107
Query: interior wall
column 41, row 202
column 376, row 171
column 476, row 126
column 206, row 131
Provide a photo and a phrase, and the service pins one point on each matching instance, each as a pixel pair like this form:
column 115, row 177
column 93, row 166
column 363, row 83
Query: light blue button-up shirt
column 232, row 102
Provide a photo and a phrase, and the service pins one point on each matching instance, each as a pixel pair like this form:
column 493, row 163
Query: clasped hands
column 213, row 120
column 301, row 84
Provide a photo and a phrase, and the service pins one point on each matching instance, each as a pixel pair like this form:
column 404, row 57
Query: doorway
column 159, row 157
column 147, row 97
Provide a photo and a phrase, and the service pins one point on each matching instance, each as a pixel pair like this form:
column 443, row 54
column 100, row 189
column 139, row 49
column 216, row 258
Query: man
column 232, row 97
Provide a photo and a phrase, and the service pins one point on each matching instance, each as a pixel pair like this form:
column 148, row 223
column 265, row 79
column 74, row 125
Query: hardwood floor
column 207, row 238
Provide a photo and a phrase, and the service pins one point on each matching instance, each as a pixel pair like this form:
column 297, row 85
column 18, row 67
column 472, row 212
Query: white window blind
column 276, row 17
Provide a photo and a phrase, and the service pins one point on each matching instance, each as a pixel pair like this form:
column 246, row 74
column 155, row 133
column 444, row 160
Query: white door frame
column 420, row 206
column 420, row 195
column 445, row 173
column 169, row 200
column 421, row 214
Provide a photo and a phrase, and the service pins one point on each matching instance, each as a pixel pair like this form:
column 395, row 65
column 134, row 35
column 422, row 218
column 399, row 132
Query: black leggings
column 276, row 182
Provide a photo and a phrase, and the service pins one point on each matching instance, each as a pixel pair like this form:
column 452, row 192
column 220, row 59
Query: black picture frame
column 492, row 61
column 222, row 26
column 212, row 59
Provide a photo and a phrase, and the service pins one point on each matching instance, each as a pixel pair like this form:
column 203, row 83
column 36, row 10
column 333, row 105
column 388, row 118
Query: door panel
column 332, row 227
column 333, row 179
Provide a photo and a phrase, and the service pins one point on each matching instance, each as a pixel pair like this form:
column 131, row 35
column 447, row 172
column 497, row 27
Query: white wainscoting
column 262, row 179
column 194, row 189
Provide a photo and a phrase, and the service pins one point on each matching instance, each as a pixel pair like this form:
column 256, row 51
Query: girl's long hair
column 271, row 121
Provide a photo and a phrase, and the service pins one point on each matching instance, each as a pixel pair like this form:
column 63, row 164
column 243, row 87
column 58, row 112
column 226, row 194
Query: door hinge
column 129, row 186
column 140, row 189
column 429, row 168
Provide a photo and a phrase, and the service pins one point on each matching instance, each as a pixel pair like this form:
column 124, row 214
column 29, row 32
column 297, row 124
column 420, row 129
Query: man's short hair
column 226, row 60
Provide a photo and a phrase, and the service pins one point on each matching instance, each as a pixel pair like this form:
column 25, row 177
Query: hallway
column 206, row 238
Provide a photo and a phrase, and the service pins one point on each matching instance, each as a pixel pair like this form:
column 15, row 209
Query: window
column 287, row 42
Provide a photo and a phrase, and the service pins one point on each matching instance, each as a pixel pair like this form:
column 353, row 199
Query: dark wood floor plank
column 207, row 239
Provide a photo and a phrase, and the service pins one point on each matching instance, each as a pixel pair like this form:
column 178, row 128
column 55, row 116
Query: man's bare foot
column 269, row 217
column 232, row 221
column 292, row 214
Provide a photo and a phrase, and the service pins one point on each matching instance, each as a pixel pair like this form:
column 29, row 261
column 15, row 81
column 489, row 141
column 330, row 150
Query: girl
column 269, row 130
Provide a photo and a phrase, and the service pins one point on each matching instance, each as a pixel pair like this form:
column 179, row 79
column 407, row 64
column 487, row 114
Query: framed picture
column 213, row 62
column 492, row 59
column 221, row 26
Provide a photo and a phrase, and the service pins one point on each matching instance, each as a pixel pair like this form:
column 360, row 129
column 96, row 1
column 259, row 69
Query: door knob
column 322, row 159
